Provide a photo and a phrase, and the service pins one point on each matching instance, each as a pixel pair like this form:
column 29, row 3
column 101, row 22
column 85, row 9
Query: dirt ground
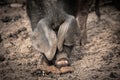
column 99, row 59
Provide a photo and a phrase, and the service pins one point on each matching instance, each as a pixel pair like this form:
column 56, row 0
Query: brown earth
column 99, row 59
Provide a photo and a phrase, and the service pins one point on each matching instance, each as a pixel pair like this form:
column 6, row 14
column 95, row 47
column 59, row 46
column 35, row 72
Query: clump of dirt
column 6, row 19
column 1, row 38
column 2, row 58
column 99, row 59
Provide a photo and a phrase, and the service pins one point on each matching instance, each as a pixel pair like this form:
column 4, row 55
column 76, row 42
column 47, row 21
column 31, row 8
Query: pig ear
column 61, row 37
column 53, row 46
column 45, row 44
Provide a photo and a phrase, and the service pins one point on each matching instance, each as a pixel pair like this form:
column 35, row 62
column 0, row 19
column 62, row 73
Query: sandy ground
column 99, row 59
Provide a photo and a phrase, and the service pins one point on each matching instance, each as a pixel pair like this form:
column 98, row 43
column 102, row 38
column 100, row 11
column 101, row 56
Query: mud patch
column 99, row 59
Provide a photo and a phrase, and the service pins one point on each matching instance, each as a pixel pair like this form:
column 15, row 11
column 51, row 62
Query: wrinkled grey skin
column 53, row 25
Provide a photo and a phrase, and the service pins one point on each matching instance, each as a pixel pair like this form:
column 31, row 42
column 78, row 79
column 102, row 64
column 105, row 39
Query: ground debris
column 46, row 70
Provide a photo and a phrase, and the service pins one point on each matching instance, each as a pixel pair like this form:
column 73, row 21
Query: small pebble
column 16, row 5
